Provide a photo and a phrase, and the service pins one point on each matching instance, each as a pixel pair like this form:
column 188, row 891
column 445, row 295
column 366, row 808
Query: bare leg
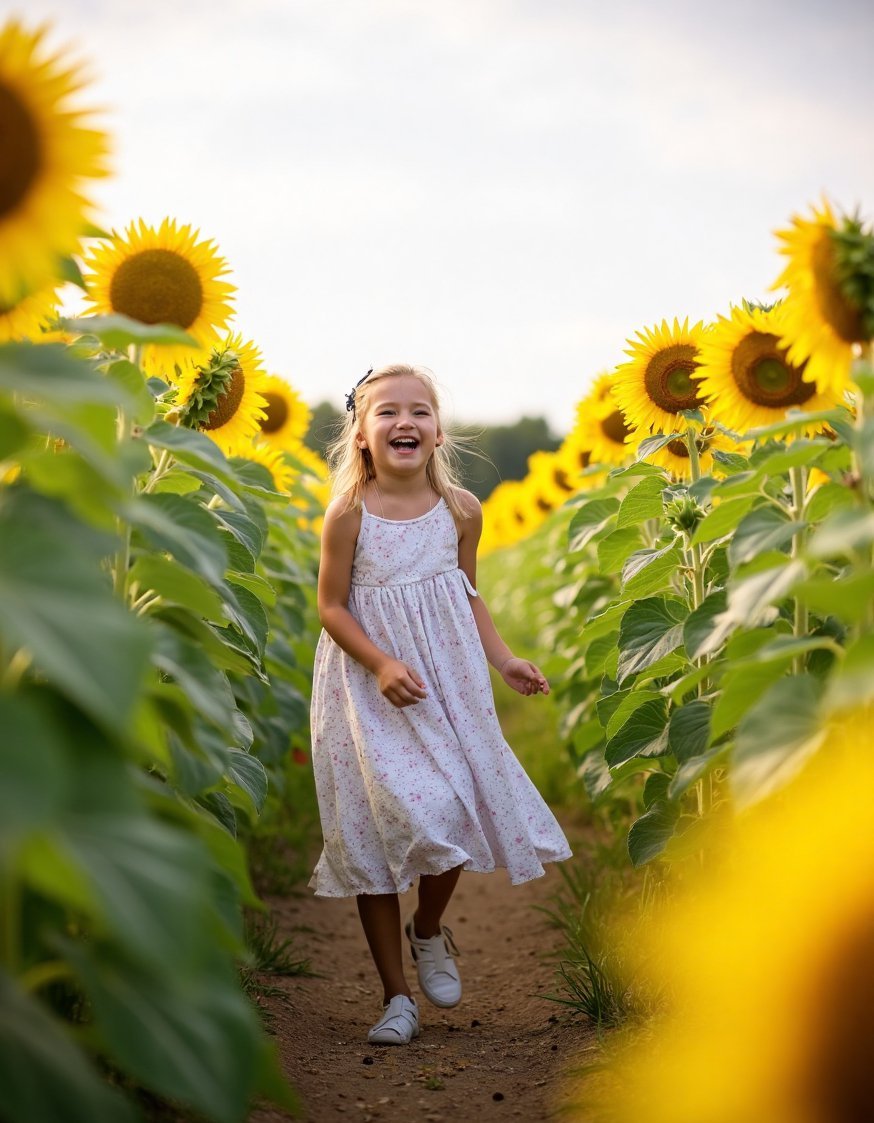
column 381, row 919
column 435, row 891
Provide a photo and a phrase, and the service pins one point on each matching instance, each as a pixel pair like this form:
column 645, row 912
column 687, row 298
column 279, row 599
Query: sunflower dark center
column 679, row 448
column 614, row 428
column 838, row 310
column 228, row 402
column 277, row 412
column 562, row 479
column 702, row 443
column 765, row 376
column 669, row 380
column 543, row 504
column 22, row 150
column 157, row 287
column 838, row 1071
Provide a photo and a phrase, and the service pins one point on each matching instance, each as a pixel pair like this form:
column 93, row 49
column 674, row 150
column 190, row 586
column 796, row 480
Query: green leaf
column 852, row 684
column 43, row 1074
column 691, row 771
column 689, row 730
column 796, row 421
column 799, row 453
column 701, row 623
column 629, row 701
column 130, row 378
column 655, row 787
column 650, row 834
column 56, row 602
column 34, row 775
column 262, row 589
column 645, row 733
column 647, row 571
column 643, row 501
column 243, row 529
column 616, row 548
column 588, row 520
column 185, row 529
column 827, row 498
column 650, row 629
column 49, row 371
column 177, row 585
column 846, row 531
column 14, row 432
column 605, row 622
column 776, row 737
column 247, row 772
column 191, row 448
column 765, row 528
column 723, row 519
column 750, row 600
column 650, row 445
column 120, row 332
column 848, row 596
column 191, row 1037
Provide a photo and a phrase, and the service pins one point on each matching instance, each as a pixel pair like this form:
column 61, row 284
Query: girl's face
column 400, row 427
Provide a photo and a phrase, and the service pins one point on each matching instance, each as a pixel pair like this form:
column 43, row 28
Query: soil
column 504, row 1052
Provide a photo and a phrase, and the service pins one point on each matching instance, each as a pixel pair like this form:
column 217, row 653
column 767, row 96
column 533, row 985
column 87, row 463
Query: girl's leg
column 435, row 891
column 381, row 919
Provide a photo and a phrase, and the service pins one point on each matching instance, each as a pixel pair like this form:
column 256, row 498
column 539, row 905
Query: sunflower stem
column 162, row 467
column 42, row 974
column 694, row 458
column 10, row 920
column 798, row 484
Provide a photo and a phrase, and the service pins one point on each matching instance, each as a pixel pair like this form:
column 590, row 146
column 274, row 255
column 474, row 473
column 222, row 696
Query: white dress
column 430, row 786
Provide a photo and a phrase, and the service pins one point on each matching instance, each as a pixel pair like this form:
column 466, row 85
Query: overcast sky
column 501, row 190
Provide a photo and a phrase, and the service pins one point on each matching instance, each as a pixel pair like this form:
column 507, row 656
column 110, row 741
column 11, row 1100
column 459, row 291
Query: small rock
column 476, row 1022
column 554, row 1048
column 367, row 1060
column 497, row 1096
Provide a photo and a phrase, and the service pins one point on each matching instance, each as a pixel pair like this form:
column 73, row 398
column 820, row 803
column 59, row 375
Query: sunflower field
column 158, row 545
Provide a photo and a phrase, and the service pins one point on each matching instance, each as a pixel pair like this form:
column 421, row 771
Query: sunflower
column 821, row 323
column 272, row 459
column 548, row 482
column 287, row 414
column 163, row 276
column 47, row 154
column 661, row 378
column 675, row 454
column 222, row 397
column 600, row 428
column 747, row 376
column 31, row 317
column 768, row 961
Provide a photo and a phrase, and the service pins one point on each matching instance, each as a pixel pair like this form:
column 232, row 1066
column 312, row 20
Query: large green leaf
column 205, row 685
column 750, row 601
column 643, row 501
column 847, row 596
column 723, row 519
column 120, row 332
column 689, row 730
column 44, row 1076
column 645, row 733
column 651, row 833
column 191, row 448
column 56, row 602
column 765, row 528
column 247, row 772
column 627, row 701
column 614, row 550
column 48, row 371
column 180, row 525
column 591, row 518
column 776, row 737
column 34, row 771
column 647, row 571
column 177, row 585
column 843, row 533
column 701, row 622
column 191, row 1036
column 650, row 629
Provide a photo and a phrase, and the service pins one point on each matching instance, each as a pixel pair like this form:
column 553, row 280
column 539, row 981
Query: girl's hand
column 401, row 685
column 523, row 677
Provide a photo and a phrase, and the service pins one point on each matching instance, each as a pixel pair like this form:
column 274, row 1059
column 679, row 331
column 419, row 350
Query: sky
column 503, row 191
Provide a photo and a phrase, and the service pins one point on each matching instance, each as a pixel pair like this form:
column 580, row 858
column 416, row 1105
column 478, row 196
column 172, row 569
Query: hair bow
column 350, row 397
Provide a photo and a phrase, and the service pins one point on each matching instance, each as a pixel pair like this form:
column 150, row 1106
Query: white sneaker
column 399, row 1023
column 438, row 975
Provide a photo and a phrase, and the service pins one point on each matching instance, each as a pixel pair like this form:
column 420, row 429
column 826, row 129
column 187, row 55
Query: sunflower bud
column 684, row 512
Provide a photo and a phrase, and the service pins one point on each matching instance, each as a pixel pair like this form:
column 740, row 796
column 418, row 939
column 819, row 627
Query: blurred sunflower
column 746, row 374
column 600, row 428
column 547, row 482
column 821, row 321
column 222, row 397
column 31, row 317
column 46, row 156
column 287, row 416
column 572, row 458
column 272, row 459
column 661, row 378
column 675, row 454
column 768, row 961
column 163, row 276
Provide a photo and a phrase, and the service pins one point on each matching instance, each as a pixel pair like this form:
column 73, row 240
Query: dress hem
column 408, row 883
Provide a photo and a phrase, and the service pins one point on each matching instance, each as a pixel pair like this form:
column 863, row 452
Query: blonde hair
column 352, row 467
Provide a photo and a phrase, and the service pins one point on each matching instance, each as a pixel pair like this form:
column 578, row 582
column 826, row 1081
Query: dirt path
column 501, row 1053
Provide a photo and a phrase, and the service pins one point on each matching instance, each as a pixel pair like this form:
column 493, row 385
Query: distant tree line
column 488, row 453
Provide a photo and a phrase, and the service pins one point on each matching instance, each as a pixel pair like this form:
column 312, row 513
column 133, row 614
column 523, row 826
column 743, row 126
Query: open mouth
column 404, row 444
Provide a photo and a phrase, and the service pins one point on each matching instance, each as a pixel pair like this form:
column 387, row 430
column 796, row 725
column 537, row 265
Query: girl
column 413, row 775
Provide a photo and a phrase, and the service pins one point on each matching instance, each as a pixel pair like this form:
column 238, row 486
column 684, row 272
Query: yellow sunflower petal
column 747, row 376
column 222, row 398
column 674, row 456
column 600, row 428
column 47, row 155
column 272, row 459
column 31, row 317
column 163, row 276
column 661, row 378
column 820, row 325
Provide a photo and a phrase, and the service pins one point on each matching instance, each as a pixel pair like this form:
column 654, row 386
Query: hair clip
column 350, row 397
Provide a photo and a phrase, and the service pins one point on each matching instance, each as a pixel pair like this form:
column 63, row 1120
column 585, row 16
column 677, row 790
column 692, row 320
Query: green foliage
column 155, row 651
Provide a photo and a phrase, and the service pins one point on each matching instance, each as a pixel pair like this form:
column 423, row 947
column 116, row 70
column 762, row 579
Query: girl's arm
column 398, row 682
column 520, row 674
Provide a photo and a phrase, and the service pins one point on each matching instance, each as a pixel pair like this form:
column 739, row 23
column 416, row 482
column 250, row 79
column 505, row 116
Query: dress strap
column 467, row 583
